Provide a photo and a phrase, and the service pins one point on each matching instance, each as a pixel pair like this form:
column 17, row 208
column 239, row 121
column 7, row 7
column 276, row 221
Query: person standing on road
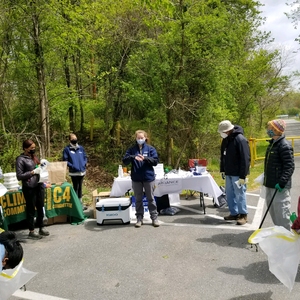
column 234, row 167
column 27, row 170
column 75, row 156
column 278, row 170
column 142, row 158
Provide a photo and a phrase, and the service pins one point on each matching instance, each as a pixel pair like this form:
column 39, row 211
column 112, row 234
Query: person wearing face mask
column 74, row 154
column 234, row 168
column 278, row 170
column 28, row 171
column 11, row 251
column 142, row 158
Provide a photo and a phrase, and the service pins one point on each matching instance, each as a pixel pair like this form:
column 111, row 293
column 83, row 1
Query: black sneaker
column 231, row 218
column 44, row 232
column 33, row 235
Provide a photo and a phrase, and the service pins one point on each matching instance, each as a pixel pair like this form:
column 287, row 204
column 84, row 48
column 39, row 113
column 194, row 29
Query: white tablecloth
column 171, row 185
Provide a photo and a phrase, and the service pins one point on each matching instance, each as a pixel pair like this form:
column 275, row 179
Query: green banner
column 59, row 200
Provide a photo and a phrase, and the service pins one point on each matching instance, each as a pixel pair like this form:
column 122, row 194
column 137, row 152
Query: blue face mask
column 140, row 141
column 270, row 133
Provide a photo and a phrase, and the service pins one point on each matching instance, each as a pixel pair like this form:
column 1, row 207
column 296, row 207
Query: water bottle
column 293, row 217
column 120, row 171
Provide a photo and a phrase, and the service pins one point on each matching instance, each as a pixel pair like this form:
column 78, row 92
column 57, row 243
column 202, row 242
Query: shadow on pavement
column 262, row 296
column 237, row 240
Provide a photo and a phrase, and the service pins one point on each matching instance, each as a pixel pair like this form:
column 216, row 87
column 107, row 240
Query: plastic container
column 120, row 171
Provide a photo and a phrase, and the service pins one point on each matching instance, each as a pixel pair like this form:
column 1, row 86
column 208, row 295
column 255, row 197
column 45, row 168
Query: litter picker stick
column 262, row 221
column 268, row 208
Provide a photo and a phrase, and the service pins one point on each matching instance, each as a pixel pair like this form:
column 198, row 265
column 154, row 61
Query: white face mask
column 140, row 141
column 223, row 135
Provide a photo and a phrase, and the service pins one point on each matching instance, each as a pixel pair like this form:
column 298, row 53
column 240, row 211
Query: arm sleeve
column 66, row 157
column 128, row 157
column 244, row 158
column 20, row 172
column 152, row 159
column 288, row 166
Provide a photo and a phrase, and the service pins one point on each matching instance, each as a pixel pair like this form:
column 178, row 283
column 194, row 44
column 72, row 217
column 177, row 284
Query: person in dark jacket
column 278, row 170
column 76, row 157
column 142, row 158
column 234, row 167
column 27, row 170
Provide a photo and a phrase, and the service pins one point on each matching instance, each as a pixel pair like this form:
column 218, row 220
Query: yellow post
column 251, row 146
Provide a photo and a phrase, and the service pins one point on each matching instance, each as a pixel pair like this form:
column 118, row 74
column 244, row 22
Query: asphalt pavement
column 190, row 256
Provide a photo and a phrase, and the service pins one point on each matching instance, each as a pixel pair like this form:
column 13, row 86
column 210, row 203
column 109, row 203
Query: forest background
column 103, row 69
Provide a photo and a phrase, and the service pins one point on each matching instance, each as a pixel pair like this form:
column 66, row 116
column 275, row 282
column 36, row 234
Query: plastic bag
column 283, row 250
column 171, row 211
column 12, row 280
column 44, row 175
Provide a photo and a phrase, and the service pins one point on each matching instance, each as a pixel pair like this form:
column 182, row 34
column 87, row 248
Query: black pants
column 77, row 185
column 34, row 198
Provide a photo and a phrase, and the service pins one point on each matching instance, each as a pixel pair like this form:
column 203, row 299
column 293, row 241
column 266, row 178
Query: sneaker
column 231, row 218
column 155, row 223
column 34, row 235
column 44, row 232
column 242, row 220
column 138, row 224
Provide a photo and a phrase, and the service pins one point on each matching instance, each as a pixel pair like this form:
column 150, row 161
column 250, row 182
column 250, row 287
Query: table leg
column 202, row 204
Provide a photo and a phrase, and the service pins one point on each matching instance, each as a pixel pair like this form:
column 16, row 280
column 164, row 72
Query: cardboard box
column 96, row 197
column 57, row 220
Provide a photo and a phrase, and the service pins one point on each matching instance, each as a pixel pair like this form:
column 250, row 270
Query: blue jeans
column 236, row 197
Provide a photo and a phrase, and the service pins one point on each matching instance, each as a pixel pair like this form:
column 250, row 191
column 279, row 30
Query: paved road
column 190, row 256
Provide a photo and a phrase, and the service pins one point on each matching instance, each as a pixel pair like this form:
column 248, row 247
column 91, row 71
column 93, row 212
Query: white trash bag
column 13, row 279
column 283, row 250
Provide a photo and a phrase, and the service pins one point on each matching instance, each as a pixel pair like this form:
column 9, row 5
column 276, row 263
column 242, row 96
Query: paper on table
column 3, row 190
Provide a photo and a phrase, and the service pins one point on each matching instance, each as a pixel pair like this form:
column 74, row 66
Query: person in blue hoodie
column 142, row 158
column 75, row 156
column 234, row 167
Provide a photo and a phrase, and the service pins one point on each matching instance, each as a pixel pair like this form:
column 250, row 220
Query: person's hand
column 139, row 157
column 242, row 181
column 223, row 175
column 37, row 170
column 278, row 187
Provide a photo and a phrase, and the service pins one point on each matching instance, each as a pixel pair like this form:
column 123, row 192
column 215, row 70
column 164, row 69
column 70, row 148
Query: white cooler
column 113, row 210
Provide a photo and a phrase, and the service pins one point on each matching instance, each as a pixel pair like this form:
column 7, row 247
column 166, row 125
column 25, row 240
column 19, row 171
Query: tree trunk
column 42, row 93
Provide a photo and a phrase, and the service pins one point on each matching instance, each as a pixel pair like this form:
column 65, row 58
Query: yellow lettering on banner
column 20, row 198
column 57, row 197
column 3, row 202
column 14, row 210
column 49, row 199
column 9, row 203
column 14, row 199
column 63, row 205
column 67, row 194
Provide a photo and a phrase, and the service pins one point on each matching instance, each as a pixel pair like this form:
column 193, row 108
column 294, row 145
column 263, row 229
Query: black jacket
column 24, row 166
column 235, row 154
column 279, row 164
